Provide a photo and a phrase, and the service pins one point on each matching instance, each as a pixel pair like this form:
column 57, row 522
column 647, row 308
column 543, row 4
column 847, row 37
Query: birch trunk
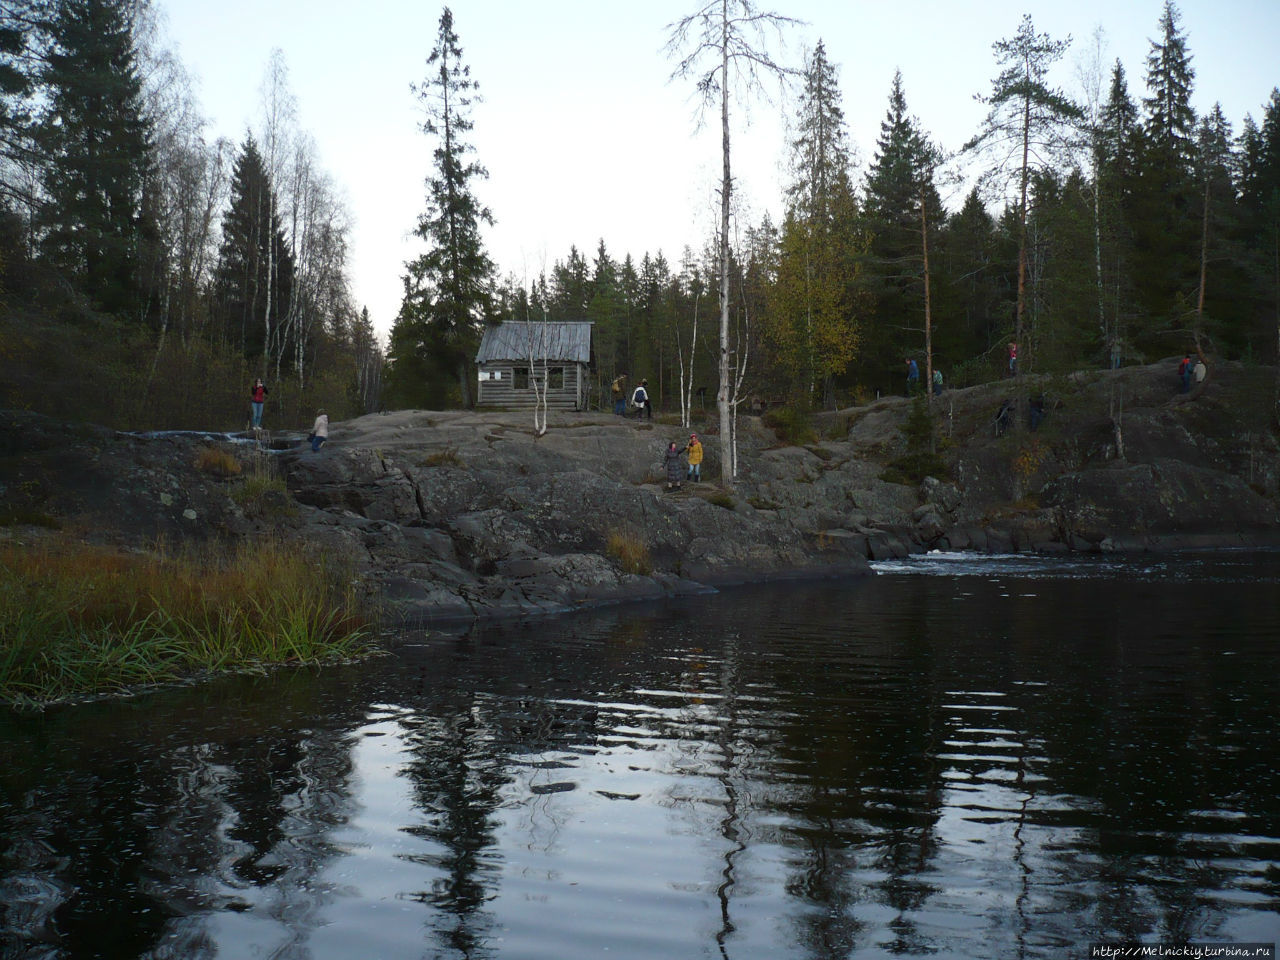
column 727, row 446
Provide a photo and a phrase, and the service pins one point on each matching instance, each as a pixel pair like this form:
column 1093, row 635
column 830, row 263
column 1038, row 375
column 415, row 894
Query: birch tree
column 279, row 114
column 722, row 46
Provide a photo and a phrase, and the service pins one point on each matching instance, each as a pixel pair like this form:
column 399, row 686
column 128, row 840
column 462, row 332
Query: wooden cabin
column 514, row 355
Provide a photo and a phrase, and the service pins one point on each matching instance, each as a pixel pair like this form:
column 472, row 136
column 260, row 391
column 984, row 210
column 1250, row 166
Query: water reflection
column 1002, row 763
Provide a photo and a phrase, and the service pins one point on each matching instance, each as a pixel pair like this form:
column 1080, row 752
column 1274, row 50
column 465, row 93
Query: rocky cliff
column 462, row 514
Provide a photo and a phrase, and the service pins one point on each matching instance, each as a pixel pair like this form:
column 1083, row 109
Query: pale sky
column 584, row 135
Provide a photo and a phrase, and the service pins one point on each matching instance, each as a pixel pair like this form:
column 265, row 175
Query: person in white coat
column 319, row 431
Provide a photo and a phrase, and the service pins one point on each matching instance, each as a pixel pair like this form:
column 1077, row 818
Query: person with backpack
column 641, row 400
column 1184, row 372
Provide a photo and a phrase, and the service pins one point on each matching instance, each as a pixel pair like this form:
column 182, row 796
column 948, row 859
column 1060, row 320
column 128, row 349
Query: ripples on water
column 1003, row 757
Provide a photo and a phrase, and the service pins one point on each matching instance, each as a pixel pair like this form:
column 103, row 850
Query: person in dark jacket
column 674, row 468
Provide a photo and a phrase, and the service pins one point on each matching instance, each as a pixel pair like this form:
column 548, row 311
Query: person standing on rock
column 257, row 397
column 913, row 376
column 319, row 431
column 1184, row 372
column 641, row 399
column 675, row 470
column 618, row 389
column 1013, row 359
column 695, row 458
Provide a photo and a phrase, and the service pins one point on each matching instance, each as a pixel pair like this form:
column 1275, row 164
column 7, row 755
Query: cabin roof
column 520, row 341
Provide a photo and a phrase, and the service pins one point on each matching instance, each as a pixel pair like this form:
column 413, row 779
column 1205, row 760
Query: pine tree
column 254, row 261
column 96, row 141
column 449, row 288
column 1217, row 214
column 1025, row 131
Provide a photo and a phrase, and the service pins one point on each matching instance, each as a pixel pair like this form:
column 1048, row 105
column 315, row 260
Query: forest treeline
column 149, row 272
column 1104, row 226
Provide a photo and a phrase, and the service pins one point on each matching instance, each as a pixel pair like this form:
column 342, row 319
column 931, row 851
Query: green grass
column 77, row 620
column 721, row 499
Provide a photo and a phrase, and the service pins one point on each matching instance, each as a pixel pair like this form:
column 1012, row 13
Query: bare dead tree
column 722, row 46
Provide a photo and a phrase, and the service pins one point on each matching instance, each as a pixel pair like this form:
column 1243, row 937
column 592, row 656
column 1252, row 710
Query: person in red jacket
column 257, row 397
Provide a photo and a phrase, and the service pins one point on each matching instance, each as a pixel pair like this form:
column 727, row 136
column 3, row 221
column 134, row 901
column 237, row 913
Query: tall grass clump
column 220, row 463
column 630, row 552
column 262, row 490
column 79, row 620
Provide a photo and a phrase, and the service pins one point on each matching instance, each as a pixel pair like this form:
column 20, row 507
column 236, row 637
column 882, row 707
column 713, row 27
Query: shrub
column 920, row 459
column 722, row 499
column 792, row 424
column 630, row 552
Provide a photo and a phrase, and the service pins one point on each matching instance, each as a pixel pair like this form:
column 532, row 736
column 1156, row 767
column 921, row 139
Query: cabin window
column 522, row 378
column 555, row 378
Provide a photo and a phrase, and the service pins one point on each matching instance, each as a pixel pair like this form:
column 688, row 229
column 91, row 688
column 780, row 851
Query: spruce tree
column 253, row 245
column 448, row 290
column 1119, row 144
column 813, row 312
column 1163, row 214
column 899, row 182
column 96, row 142
column 1170, row 123
column 1260, row 231
column 16, row 84
column 971, row 290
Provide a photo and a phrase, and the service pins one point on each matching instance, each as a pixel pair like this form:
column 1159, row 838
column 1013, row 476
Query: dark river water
column 959, row 757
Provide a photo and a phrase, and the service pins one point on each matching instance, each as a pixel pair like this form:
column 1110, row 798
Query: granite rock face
column 470, row 514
